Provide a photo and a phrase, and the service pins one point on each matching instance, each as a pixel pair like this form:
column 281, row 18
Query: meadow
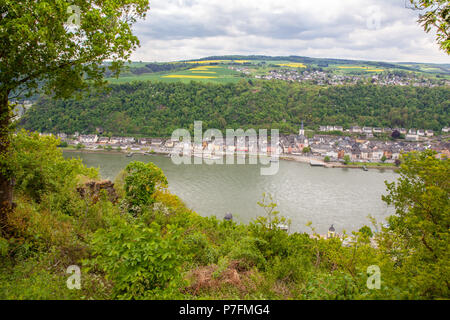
column 218, row 69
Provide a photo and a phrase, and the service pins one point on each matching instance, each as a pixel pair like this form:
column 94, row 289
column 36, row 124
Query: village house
column 128, row 140
column 144, row 141
column 170, row 144
column 377, row 130
column 376, row 154
column 88, row 138
column 355, row 129
column 103, row 140
column 429, row 133
column 115, row 140
column 367, row 130
column 412, row 137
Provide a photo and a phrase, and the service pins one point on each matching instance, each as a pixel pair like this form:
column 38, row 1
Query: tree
column 327, row 159
column 141, row 182
column 58, row 47
column 383, row 158
column 437, row 16
column 306, row 150
column 418, row 237
column 395, row 134
column 346, row 159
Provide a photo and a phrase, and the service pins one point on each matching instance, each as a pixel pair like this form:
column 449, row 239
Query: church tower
column 302, row 131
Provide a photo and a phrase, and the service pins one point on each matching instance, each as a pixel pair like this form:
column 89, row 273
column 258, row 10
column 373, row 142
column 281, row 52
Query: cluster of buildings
column 322, row 77
column 357, row 148
column 336, row 148
column 316, row 77
column 410, row 135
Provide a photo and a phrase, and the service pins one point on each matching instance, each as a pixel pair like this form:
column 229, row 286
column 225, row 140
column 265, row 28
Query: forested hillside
column 156, row 109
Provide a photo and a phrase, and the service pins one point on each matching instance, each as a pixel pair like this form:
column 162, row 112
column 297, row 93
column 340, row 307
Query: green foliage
column 418, row 235
column 202, row 251
column 141, row 182
column 68, row 49
column 366, row 231
column 39, row 166
column 326, row 159
column 437, row 16
column 141, row 260
column 157, row 109
column 4, row 246
column 150, row 255
column 347, row 159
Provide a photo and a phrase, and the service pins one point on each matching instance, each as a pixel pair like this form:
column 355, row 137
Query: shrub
column 140, row 260
column 141, row 182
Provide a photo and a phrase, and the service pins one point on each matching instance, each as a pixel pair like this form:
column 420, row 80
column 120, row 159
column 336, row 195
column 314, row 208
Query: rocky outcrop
column 92, row 190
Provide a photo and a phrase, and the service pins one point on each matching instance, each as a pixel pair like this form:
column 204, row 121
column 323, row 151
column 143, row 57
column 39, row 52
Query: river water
column 324, row 196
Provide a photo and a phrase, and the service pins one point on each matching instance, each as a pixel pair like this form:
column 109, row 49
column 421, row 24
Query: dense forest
column 156, row 109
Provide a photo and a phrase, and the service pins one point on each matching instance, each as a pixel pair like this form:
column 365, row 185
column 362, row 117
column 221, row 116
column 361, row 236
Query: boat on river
column 315, row 163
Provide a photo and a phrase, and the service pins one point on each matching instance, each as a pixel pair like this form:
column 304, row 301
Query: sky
column 381, row 30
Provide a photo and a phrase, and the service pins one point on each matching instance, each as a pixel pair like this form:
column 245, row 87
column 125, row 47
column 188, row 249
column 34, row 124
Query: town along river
column 324, row 196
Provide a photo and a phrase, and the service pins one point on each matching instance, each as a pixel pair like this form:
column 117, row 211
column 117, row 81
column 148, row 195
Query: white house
column 355, row 129
column 412, row 137
column 88, row 138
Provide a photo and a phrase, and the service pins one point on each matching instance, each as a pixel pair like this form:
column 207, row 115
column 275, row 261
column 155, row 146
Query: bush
column 39, row 167
column 141, row 182
column 140, row 260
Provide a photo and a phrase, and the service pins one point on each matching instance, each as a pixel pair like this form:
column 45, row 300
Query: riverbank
column 295, row 158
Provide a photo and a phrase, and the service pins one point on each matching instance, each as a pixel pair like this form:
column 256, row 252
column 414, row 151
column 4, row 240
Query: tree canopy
column 436, row 16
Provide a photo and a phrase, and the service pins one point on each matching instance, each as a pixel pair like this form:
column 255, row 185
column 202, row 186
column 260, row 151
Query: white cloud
column 360, row 29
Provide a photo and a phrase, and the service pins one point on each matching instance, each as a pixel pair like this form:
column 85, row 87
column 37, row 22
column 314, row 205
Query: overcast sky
column 356, row 29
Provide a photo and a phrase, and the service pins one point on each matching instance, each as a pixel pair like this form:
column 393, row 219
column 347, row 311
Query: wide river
column 343, row 197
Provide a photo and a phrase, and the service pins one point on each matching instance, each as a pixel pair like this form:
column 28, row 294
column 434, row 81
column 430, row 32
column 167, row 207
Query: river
column 324, row 196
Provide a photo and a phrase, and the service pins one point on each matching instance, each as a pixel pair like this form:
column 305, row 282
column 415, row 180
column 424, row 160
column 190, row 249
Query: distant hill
column 158, row 108
column 229, row 68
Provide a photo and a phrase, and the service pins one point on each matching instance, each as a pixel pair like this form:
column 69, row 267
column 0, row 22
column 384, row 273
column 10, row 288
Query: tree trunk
column 6, row 183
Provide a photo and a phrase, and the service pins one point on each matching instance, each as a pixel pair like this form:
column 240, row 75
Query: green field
column 217, row 69
column 218, row 73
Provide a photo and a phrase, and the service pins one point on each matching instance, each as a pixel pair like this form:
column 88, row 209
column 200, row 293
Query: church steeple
column 302, row 131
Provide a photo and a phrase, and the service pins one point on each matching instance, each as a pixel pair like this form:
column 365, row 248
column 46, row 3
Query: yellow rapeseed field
column 180, row 76
column 292, row 65
column 203, row 72
column 363, row 68
column 352, row 67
